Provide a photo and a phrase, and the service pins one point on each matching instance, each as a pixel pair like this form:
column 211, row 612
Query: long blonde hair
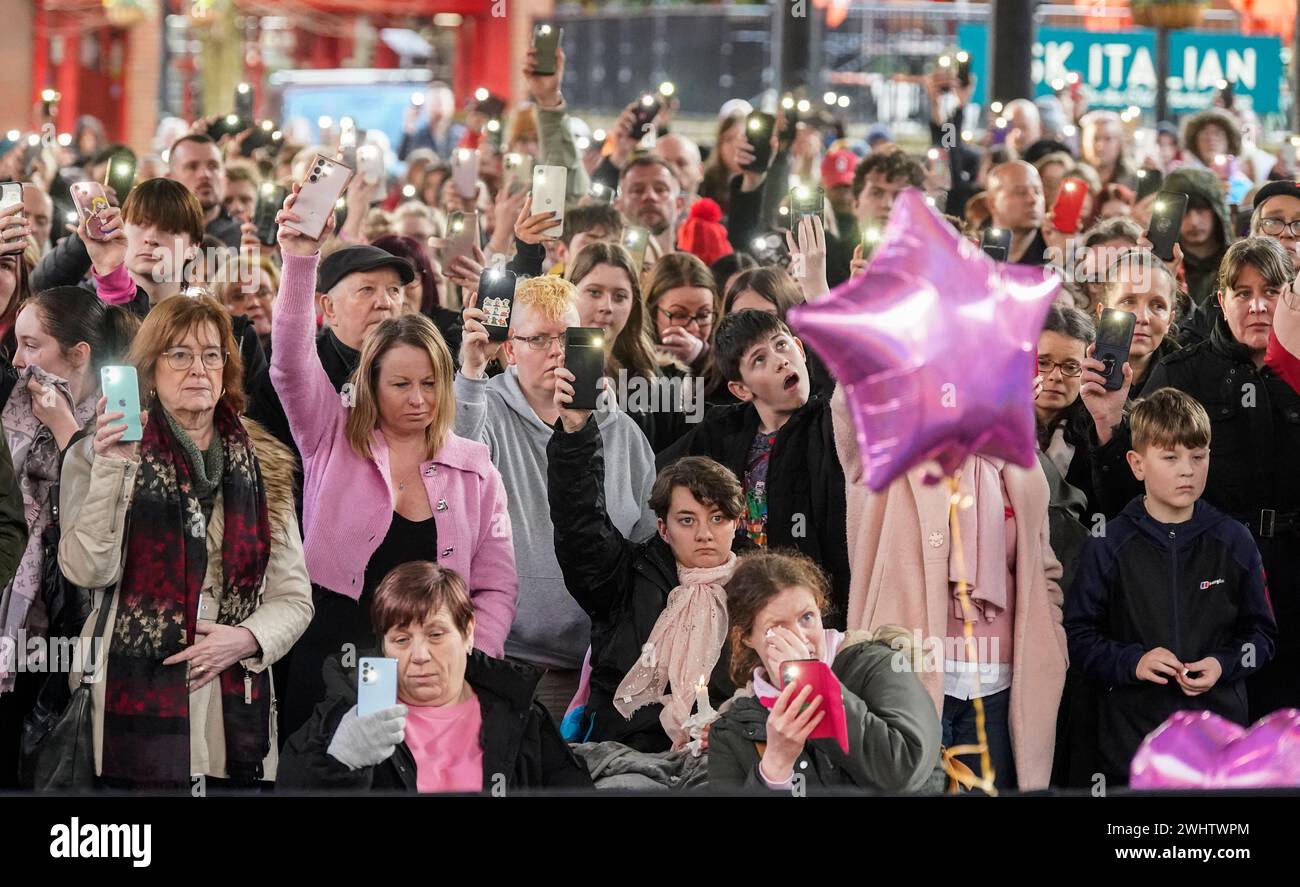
column 417, row 331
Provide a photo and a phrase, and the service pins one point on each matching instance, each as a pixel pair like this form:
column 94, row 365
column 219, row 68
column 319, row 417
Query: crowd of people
column 338, row 460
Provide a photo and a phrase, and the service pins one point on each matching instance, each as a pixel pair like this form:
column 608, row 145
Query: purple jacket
column 347, row 499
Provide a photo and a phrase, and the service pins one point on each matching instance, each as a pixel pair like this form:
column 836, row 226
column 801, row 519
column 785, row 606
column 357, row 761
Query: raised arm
column 310, row 402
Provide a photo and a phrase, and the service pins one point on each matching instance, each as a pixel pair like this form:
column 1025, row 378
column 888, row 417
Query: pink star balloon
column 935, row 346
column 1197, row 749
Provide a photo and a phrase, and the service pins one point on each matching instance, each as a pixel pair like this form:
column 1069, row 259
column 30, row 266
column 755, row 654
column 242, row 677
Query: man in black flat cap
column 1277, row 215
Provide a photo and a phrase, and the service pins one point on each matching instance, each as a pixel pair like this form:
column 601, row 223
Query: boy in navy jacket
column 1170, row 607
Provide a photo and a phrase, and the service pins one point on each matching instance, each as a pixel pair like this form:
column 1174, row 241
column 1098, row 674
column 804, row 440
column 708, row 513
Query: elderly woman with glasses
column 192, row 529
column 1062, row 420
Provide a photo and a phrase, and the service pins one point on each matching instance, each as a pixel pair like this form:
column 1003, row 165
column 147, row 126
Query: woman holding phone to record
column 191, row 529
column 447, row 718
column 385, row 480
column 775, row 730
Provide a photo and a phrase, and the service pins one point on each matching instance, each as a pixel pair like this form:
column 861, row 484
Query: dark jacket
column 225, row 228
column 1078, row 431
column 623, row 586
column 1255, row 432
column 425, row 138
column 13, row 520
column 1254, row 451
column 1201, row 274
column 805, row 483
column 1196, row 588
column 66, row 264
column 894, row 732
column 518, row 738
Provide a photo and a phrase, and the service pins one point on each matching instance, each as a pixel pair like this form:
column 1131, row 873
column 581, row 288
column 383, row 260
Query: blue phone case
column 376, row 685
column 123, row 394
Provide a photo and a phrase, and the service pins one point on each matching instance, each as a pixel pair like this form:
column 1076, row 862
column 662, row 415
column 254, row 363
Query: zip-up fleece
column 1197, row 589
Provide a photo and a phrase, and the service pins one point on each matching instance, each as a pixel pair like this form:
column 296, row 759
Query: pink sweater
column 347, row 499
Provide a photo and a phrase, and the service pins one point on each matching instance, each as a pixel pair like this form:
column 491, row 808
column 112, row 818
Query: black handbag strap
column 101, row 620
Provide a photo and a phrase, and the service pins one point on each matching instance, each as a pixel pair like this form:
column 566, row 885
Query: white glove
column 367, row 741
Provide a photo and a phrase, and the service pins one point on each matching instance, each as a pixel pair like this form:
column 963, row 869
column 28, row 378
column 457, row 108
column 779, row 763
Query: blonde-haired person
column 761, row 740
column 385, row 480
column 514, row 413
column 253, row 295
column 193, row 531
column 1103, row 144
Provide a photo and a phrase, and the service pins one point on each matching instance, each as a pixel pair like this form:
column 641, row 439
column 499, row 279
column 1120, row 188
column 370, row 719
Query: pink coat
column 898, row 546
column 347, row 499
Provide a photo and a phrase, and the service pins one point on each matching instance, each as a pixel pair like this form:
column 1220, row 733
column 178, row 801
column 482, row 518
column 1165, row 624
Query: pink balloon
column 1199, row 749
column 935, row 346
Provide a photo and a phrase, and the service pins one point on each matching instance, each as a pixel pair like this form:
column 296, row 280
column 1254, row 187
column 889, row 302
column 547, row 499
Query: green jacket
column 894, row 732
column 13, row 521
column 559, row 149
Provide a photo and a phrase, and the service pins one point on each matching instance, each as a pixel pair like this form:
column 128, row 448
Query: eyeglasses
column 181, row 359
column 682, row 318
column 1069, row 368
column 1275, row 227
column 539, row 342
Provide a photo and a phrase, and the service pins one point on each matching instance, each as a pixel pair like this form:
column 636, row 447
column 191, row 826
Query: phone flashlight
column 33, row 140
column 647, row 100
column 996, row 107
column 830, row 98
column 803, row 106
column 417, row 99
column 666, row 88
column 481, row 94
column 232, row 119
column 325, row 121
column 65, row 139
column 945, row 61
column 787, row 102
column 49, row 95
column 544, row 29
column 408, row 190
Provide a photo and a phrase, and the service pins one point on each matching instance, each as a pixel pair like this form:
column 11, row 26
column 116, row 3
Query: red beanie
column 702, row 235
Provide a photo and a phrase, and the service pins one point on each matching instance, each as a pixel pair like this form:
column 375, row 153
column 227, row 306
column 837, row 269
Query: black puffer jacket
column 519, row 739
column 623, row 586
column 805, row 483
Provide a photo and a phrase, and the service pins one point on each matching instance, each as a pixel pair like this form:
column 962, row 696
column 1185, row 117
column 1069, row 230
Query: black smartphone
column 226, row 125
column 546, row 39
column 1166, row 223
column 1228, row 94
column 584, row 356
column 996, row 243
column 644, row 114
column 496, row 297
column 806, row 201
column 119, row 174
column 963, row 69
column 1149, row 182
column 758, row 129
column 270, row 198
column 1114, row 337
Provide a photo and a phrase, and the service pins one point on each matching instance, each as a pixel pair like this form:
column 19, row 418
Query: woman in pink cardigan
column 903, row 574
column 384, row 479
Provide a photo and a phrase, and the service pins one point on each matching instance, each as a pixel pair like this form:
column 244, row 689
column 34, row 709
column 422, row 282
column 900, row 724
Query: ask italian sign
column 1120, row 68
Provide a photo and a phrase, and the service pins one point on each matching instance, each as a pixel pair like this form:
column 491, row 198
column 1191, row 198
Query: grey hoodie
column 550, row 629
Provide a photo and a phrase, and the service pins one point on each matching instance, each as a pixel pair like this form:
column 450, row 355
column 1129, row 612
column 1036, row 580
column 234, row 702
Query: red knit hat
column 702, row 235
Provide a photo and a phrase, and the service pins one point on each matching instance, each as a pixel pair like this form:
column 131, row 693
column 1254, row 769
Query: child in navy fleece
column 1170, row 608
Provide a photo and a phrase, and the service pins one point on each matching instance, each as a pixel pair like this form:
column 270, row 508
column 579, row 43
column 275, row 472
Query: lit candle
column 702, row 706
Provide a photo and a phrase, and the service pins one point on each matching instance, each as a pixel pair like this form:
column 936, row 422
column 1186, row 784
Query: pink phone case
column 326, row 181
column 464, row 172
column 91, row 199
column 824, row 683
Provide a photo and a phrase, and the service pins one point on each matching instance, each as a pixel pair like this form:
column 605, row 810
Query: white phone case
column 464, row 172
column 11, row 194
column 550, row 184
column 326, row 181
column 370, row 163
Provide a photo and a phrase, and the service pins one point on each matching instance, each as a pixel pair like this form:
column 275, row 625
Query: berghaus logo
column 1206, row 583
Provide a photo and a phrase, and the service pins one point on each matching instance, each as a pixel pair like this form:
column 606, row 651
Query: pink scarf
column 983, row 541
column 684, row 646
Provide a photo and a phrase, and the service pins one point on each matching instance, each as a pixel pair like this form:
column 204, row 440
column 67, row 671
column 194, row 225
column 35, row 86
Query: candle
column 702, row 696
